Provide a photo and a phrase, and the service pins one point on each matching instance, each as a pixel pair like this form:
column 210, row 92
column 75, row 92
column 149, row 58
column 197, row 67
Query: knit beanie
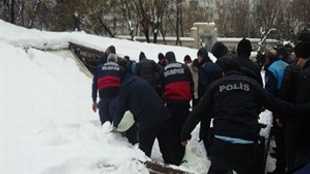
column 187, row 58
column 244, row 47
column 203, row 52
column 142, row 56
column 302, row 50
column 219, row 49
column 304, row 36
column 170, row 56
column 161, row 56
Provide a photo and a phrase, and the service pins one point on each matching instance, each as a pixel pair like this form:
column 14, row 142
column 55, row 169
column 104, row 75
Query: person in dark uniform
column 244, row 49
column 234, row 102
column 178, row 87
column 107, row 79
column 153, row 118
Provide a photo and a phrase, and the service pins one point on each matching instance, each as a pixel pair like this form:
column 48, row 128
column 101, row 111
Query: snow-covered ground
column 47, row 125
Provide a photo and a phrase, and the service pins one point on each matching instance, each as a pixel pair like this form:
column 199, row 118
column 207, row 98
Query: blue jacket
column 137, row 96
column 274, row 76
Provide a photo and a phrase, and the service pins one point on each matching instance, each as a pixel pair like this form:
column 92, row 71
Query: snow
column 47, row 124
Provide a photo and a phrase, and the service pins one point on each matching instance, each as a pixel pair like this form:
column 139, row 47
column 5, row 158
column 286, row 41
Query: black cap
column 283, row 51
column 203, row 52
column 187, row 58
column 219, row 49
column 142, row 56
column 302, row 50
column 161, row 56
column 244, row 47
column 170, row 56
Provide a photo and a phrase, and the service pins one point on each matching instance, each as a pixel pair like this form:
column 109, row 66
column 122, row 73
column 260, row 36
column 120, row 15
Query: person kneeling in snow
column 154, row 120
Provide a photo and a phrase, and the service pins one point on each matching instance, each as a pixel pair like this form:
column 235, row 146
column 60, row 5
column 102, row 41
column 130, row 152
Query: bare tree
column 128, row 16
column 35, row 12
column 178, row 21
column 157, row 14
column 233, row 18
column 142, row 8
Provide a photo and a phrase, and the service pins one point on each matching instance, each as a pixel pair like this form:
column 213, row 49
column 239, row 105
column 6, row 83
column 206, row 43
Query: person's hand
column 279, row 123
column 113, row 129
column 184, row 143
column 94, row 107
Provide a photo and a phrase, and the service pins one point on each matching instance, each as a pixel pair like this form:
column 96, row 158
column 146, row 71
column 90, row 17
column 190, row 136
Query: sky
column 47, row 125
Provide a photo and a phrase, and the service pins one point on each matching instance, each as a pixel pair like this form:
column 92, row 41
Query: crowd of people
column 169, row 98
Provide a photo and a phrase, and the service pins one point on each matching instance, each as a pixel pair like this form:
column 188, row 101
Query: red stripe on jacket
column 108, row 81
column 178, row 91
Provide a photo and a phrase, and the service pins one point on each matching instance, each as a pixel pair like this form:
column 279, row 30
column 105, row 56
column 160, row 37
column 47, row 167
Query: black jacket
column 235, row 102
column 245, row 62
column 149, row 70
column 288, row 88
column 137, row 96
column 208, row 72
column 303, row 96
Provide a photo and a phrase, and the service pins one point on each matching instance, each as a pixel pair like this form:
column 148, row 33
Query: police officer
column 234, row 102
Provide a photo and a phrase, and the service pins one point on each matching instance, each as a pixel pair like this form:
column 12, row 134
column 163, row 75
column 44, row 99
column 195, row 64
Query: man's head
column 302, row 52
column 219, row 49
column 142, row 56
column 283, row 52
column 161, row 57
column 304, row 36
column 170, row 57
column 112, row 58
column 110, row 50
column 202, row 54
column 244, row 47
column 187, row 59
column 271, row 55
column 127, row 58
column 229, row 63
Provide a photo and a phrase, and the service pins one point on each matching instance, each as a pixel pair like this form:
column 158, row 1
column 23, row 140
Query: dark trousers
column 104, row 110
column 242, row 158
column 302, row 156
column 168, row 144
column 179, row 112
column 290, row 144
column 195, row 102
column 132, row 134
column 278, row 133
